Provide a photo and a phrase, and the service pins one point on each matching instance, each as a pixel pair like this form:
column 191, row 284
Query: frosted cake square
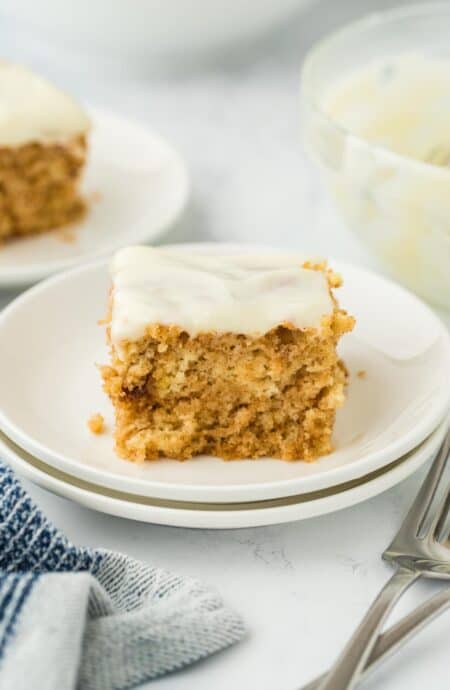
column 231, row 356
column 43, row 143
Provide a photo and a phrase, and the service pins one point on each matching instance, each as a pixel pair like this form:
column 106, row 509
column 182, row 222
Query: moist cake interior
column 180, row 391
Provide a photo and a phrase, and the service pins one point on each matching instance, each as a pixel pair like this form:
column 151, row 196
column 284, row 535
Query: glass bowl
column 399, row 206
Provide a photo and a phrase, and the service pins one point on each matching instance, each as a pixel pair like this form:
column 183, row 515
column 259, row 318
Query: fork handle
column 345, row 672
column 398, row 634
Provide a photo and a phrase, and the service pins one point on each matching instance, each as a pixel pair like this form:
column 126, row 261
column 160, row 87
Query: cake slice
column 42, row 152
column 232, row 356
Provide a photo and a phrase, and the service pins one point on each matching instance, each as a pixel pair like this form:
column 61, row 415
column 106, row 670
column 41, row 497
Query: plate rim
column 193, row 518
column 166, row 489
column 25, row 276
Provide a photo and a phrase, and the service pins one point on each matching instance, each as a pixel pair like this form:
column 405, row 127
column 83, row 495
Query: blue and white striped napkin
column 77, row 618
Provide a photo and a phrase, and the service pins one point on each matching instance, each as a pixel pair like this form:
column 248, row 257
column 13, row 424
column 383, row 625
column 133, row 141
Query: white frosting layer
column 32, row 109
column 247, row 294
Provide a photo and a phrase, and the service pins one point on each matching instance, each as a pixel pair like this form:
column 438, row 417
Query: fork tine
column 438, row 527
column 419, row 510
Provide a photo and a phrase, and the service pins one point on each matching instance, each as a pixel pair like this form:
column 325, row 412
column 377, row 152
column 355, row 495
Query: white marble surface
column 300, row 587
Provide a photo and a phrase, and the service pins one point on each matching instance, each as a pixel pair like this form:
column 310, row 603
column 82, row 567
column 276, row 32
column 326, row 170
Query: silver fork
column 400, row 633
column 416, row 551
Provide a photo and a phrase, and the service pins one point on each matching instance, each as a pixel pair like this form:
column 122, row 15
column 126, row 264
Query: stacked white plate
column 393, row 421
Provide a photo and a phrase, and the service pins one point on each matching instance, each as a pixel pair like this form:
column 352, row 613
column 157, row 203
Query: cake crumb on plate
column 96, row 423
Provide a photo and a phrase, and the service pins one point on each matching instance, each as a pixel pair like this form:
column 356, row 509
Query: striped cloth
column 77, row 618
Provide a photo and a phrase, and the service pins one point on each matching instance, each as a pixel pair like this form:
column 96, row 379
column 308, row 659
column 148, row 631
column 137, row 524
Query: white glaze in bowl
column 399, row 206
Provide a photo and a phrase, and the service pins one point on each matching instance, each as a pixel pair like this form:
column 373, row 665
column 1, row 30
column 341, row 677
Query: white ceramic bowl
column 151, row 28
column 398, row 206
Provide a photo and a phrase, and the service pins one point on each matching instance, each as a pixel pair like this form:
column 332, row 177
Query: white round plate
column 50, row 342
column 225, row 515
column 136, row 185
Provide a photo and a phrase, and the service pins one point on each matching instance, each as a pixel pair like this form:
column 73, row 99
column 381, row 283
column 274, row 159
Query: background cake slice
column 231, row 356
column 42, row 152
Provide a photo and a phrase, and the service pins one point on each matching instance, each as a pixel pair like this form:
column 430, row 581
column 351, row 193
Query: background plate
column 136, row 185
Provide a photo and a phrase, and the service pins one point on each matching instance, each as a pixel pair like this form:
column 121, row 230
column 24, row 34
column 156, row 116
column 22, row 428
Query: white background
column 300, row 587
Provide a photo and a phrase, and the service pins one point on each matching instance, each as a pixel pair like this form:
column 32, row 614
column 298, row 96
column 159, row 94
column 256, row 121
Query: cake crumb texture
column 227, row 394
column 39, row 186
